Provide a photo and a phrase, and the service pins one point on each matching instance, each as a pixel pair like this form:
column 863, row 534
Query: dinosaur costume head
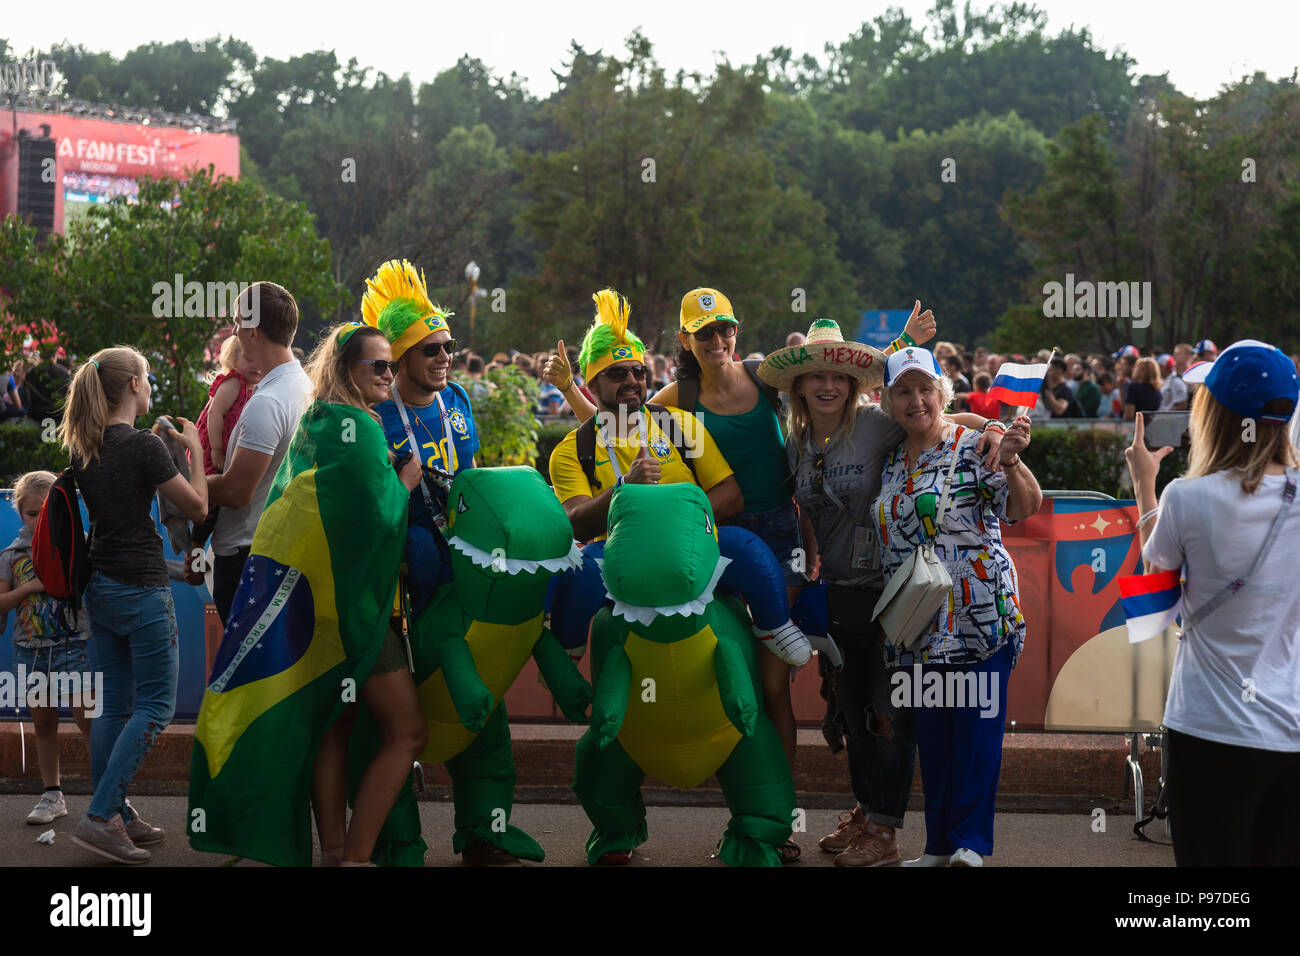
column 509, row 536
column 661, row 588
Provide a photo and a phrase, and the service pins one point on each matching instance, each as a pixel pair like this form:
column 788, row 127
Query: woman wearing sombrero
column 835, row 448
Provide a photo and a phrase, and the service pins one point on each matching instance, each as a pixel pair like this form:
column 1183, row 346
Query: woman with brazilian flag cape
column 306, row 627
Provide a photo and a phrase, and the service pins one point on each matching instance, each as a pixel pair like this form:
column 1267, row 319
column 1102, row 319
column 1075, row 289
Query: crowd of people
column 859, row 475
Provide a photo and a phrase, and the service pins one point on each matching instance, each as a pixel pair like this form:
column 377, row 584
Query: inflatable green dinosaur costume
column 677, row 688
column 509, row 536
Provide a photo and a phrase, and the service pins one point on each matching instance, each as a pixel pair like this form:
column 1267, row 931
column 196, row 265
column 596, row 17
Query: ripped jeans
column 880, row 739
column 134, row 644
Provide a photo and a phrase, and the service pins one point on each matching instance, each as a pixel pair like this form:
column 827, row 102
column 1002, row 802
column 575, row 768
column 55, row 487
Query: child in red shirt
column 227, row 396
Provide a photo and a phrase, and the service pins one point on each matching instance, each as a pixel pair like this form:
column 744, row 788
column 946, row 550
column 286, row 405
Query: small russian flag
column 1151, row 603
column 1018, row 385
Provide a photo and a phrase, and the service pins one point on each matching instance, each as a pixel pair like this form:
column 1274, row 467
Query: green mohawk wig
column 609, row 340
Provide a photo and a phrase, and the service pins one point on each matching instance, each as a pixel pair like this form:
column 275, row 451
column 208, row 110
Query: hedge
column 1090, row 460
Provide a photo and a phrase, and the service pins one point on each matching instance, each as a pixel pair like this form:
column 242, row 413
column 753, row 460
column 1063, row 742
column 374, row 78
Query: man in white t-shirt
column 266, row 320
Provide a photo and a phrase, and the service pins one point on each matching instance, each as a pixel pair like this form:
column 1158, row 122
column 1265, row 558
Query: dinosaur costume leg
column 759, row 791
column 483, row 789
column 608, row 783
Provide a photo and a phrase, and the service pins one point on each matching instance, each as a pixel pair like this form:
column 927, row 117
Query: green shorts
column 392, row 655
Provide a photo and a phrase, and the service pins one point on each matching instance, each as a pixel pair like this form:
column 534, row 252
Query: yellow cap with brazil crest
column 702, row 306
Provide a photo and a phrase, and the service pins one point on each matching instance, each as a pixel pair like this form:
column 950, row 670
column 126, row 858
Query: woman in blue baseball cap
column 1230, row 523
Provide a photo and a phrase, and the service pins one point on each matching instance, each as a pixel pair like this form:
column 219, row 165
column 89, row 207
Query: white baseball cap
column 911, row 358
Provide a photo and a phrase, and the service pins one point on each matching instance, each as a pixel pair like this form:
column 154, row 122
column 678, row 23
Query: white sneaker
column 929, row 859
column 965, row 857
column 49, row 809
column 788, row 643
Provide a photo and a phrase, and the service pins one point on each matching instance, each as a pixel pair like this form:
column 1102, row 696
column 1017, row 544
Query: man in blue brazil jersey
column 428, row 415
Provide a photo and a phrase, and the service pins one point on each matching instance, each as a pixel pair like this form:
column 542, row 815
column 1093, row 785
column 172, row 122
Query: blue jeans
column 779, row 529
column 961, row 758
column 134, row 644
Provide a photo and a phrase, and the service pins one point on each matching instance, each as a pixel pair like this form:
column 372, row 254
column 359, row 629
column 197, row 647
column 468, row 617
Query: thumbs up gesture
column 557, row 370
column 921, row 325
column 645, row 468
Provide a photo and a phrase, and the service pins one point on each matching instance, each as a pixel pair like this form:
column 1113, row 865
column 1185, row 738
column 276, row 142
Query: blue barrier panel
column 190, row 603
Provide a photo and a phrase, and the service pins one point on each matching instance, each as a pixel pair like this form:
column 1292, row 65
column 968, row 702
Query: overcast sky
column 1200, row 51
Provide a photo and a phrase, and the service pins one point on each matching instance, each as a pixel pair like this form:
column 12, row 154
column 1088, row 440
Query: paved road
column 680, row 835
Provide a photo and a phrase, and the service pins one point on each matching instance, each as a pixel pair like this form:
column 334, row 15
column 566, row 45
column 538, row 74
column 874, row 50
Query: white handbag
column 918, row 588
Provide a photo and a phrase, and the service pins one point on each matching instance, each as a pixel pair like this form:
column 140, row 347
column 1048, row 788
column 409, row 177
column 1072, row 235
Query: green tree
column 1198, row 199
column 663, row 185
column 111, row 281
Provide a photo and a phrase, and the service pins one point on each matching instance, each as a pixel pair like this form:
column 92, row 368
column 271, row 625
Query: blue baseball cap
column 909, row 359
column 1126, row 351
column 1248, row 375
column 1205, row 345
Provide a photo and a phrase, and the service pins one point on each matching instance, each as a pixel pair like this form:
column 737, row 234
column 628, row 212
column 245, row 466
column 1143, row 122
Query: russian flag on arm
column 1018, row 385
column 1151, row 603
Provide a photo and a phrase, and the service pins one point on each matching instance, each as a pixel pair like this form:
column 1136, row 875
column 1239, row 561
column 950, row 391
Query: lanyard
column 438, row 519
column 613, row 452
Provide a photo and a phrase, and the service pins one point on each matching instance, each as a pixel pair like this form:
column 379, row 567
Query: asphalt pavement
column 683, row 832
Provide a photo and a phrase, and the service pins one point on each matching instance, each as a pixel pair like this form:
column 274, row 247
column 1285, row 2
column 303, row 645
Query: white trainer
column 965, row 857
column 49, row 809
column 788, row 643
column 929, row 859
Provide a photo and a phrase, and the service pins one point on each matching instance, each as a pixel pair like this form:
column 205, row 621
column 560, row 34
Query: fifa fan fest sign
column 98, row 159
column 133, row 149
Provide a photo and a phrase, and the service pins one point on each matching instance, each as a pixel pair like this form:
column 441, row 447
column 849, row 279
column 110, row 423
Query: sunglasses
column 726, row 329
column 819, row 472
column 382, row 366
column 619, row 373
column 433, row 349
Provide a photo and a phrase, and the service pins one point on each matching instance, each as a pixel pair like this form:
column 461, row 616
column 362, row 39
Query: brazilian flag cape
column 305, row 629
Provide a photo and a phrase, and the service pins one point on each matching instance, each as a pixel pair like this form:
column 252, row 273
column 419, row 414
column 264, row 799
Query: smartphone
column 166, row 423
column 1165, row 428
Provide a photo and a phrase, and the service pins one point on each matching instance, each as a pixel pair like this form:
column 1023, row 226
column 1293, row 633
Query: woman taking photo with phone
column 1232, row 527
column 118, row 469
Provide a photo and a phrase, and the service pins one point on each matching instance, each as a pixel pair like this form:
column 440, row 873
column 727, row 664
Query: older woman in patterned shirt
column 954, row 677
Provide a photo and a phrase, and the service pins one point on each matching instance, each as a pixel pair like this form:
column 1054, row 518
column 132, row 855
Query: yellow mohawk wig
column 608, row 340
column 397, row 303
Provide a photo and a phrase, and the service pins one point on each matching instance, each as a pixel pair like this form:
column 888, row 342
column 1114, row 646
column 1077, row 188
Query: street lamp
column 472, row 274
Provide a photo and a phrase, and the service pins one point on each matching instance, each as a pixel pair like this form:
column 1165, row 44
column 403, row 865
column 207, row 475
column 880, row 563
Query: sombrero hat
column 824, row 351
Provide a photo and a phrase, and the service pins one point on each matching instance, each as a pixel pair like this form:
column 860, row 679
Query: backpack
column 586, row 442
column 60, row 546
column 688, row 390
